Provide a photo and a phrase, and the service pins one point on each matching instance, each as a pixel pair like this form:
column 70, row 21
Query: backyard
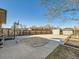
column 64, row 52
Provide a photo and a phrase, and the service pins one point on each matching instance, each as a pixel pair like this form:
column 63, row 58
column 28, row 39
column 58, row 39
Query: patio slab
column 23, row 51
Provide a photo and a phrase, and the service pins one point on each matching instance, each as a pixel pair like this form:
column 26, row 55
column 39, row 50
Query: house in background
column 68, row 31
column 76, row 32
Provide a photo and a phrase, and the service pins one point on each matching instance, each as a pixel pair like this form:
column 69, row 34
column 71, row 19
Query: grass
column 64, row 52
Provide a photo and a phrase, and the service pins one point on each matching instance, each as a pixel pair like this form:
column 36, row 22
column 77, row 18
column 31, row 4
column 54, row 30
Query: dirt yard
column 64, row 52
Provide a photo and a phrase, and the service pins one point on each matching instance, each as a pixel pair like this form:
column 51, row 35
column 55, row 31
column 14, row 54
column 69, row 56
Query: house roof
column 67, row 29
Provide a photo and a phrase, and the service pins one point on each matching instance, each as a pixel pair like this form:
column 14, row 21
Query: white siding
column 56, row 31
column 67, row 32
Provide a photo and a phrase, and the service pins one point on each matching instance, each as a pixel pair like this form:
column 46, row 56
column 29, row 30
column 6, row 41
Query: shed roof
column 67, row 29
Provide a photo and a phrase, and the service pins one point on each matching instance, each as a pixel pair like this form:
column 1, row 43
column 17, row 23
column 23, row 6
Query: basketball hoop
column 2, row 17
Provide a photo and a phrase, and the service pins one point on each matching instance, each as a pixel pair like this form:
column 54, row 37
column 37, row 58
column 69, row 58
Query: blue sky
column 28, row 12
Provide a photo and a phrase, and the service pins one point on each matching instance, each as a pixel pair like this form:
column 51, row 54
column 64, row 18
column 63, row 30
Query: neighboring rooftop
column 67, row 29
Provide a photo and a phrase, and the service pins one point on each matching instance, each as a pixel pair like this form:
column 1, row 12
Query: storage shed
column 56, row 31
column 67, row 31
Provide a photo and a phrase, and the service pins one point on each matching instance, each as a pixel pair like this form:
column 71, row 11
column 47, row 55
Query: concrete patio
column 14, row 50
column 22, row 51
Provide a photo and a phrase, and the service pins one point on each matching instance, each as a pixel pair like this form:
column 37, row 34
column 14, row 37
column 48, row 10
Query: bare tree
column 57, row 7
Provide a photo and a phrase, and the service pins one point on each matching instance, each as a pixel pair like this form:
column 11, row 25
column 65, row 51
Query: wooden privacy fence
column 37, row 31
column 10, row 32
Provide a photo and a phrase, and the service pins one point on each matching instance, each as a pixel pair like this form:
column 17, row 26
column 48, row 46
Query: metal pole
column 8, row 32
column 14, row 29
column 3, row 40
